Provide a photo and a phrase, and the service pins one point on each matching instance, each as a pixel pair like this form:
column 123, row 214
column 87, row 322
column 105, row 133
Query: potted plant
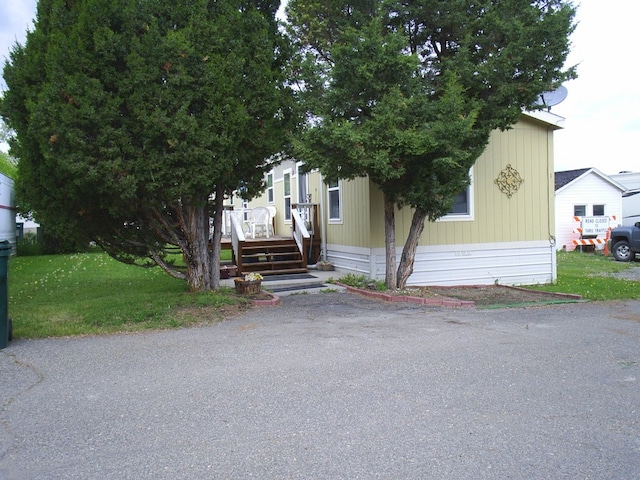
column 324, row 265
column 250, row 284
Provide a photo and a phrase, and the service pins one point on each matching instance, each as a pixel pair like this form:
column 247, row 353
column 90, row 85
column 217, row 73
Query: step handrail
column 300, row 233
column 237, row 236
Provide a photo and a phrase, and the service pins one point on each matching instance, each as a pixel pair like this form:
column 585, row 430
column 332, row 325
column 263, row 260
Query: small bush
column 30, row 245
column 45, row 243
column 360, row 281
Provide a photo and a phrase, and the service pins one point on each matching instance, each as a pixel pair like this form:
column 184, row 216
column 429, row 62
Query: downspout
column 323, row 231
column 551, row 216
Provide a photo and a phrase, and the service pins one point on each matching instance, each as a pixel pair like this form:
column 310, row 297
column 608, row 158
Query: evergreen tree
column 131, row 116
column 407, row 92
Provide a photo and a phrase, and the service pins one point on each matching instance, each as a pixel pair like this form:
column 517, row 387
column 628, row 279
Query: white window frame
column 303, row 183
column 270, row 190
column 581, row 206
column 330, row 189
column 245, row 210
column 470, row 215
column 285, row 197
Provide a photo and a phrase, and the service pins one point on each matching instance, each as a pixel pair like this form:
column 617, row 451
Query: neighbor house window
column 287, row 195
column 270, row 187
column 579, row 210
column 598, row 210
column 335, row 209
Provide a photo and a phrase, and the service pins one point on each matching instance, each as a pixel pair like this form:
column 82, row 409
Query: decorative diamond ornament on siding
column 509, row 181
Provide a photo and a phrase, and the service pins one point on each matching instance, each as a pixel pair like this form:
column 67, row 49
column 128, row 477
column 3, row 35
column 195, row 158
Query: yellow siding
column 355, row 228
column 282, row 227
column 526, row 216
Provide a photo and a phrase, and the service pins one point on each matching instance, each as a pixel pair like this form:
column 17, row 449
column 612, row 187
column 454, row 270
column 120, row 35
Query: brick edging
column 273, row 301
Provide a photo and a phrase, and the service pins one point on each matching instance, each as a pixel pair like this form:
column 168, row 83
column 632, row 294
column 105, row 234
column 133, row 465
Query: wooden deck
column 276, row 255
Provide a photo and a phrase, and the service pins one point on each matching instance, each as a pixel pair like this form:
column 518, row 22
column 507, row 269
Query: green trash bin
column 5, row 323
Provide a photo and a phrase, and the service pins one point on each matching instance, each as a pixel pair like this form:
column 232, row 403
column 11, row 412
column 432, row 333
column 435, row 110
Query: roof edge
column 551, row 119
column 597, row 172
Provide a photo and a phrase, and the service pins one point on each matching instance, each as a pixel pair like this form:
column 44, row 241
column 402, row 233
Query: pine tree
column 134, row 119
column 407, row 92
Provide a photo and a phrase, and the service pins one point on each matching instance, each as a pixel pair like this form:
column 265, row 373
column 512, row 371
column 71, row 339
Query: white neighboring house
column 581, row 196
column 631, row 197
column 7, row 211
column 28, row 226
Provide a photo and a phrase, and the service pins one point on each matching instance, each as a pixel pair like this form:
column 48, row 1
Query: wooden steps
column 271, row 257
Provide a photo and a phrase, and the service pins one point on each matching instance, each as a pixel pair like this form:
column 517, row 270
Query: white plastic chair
column 260, row 221
column 272, row 212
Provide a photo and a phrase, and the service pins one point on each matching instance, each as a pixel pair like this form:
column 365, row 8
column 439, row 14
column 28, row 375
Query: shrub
column 360, row 281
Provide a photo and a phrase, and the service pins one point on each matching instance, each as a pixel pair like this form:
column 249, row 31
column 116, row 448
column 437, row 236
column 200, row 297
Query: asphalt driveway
column 334, row 386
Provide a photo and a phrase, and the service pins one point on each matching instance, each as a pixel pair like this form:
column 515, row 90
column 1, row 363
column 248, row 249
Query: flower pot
column 247, row 287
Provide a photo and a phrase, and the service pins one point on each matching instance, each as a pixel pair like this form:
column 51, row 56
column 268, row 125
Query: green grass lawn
column 90, row 293
column 591, row 275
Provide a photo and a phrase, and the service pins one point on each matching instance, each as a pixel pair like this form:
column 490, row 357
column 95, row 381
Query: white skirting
column 512, row 263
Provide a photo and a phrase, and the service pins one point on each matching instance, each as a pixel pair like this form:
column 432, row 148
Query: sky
column 602, row 108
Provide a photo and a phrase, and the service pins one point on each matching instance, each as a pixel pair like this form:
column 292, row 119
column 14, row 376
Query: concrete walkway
column 315, row 281
column 334, row 386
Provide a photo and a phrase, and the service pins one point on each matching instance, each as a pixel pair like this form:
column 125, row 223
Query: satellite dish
column 549, row 99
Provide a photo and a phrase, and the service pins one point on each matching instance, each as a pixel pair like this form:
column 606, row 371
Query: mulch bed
column 491, row 295
column 483, row 296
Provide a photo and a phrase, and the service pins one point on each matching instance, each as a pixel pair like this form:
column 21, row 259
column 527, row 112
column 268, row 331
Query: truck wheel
column 621, row 251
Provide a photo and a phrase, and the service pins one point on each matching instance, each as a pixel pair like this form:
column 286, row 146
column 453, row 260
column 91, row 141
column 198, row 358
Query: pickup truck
column 625, row 242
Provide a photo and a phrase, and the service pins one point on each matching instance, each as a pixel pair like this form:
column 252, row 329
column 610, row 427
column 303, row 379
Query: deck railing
column 237, row 239
column 229, row 212
column 309, row 214
column 300, row 233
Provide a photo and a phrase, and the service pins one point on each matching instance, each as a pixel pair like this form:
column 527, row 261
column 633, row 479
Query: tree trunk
column 405, row 269
column 196, row 254
column 390, row 243
column 216, row 241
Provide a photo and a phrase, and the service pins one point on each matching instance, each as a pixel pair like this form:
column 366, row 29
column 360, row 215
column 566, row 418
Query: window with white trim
column 303, row 183
column 461, row 203
column 270, row 197
column 598, row 210
column 462, row 208
column 287, row 194
column 335, row 205
column 245, row 209
column 579, row 210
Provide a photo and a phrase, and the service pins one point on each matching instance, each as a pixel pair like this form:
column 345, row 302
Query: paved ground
column 334, row 386
column 632, row 273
